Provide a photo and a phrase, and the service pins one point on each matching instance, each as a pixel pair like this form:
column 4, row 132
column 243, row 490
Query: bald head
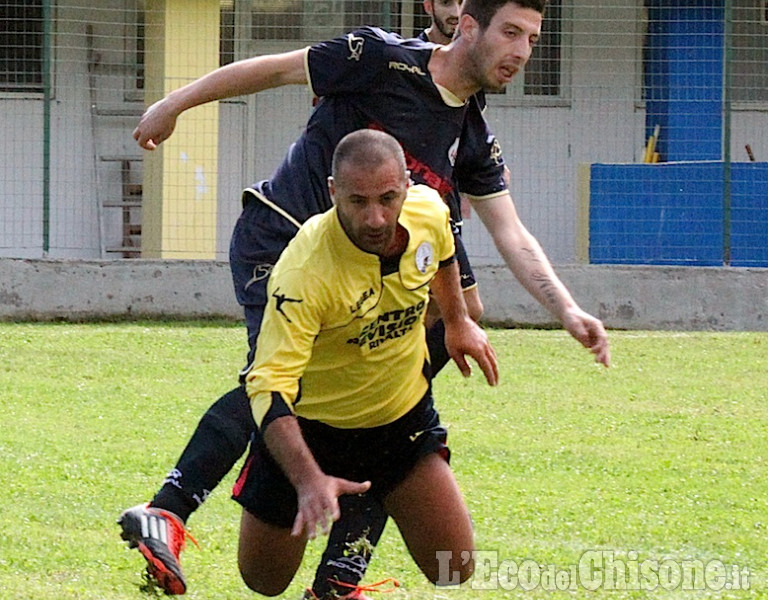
column 363, row 151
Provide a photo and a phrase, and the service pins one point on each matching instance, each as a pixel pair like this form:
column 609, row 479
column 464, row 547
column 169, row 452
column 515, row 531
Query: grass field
column 656, row 468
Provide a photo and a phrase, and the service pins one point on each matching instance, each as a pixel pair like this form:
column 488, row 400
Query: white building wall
column 601, row 120
column 21, row 174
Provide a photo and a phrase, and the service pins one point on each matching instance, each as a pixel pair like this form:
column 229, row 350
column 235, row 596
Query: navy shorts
column 382, row 455
column 259, row 237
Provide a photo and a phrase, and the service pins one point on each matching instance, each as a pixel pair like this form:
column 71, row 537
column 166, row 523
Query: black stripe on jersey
column 277, row 409
column 447, row 261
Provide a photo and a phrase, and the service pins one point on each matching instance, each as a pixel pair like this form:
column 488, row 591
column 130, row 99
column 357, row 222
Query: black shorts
column 382, row 455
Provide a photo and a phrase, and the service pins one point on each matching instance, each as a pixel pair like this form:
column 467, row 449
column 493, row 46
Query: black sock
column 221, row 438
column 438, row 355
column 350, row 544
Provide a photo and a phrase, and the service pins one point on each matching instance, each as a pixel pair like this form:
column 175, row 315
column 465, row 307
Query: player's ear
column 332, row 189
column 468, row 27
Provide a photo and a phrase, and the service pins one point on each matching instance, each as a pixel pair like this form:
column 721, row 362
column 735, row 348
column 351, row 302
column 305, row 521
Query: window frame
column 34, row 90
column 740, row 103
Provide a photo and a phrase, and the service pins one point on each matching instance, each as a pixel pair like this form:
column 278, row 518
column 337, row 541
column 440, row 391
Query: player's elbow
column 476, row 310
column 474, row 304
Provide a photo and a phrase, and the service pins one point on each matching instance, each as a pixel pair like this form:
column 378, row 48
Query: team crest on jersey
column 453, row 152
column 496, row 152
column 425, row 256
column 355, row 45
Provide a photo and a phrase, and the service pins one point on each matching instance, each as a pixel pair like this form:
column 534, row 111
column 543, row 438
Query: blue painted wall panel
column 684, row 75
column 749, row 215
column 672, row 214
column 669, row 213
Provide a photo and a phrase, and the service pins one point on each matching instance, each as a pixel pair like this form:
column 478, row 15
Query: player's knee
column 259, row 583
column 450, row 567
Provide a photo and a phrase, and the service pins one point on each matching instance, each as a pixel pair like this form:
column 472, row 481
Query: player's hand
column 590, row 332
column 468, row 338
column 156, row 125
column 319, row 504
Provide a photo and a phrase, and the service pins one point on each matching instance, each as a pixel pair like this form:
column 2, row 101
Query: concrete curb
column 624, row 297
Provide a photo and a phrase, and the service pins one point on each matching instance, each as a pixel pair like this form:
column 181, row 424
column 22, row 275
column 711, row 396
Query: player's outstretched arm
column 317, row 492
column 240, row 78
column 530, row 265
column 463, row 337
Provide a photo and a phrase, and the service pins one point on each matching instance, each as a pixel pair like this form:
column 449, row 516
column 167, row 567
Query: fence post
column 727, row 70
column 46, row 67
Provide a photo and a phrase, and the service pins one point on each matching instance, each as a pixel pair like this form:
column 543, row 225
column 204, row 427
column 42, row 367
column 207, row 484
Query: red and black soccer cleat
column 160, row 536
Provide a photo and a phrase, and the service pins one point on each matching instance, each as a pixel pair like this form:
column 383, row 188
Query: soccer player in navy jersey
column 444, row 17
column 418, row 93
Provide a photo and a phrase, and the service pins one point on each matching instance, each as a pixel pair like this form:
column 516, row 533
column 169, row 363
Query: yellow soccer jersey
column 341, row 343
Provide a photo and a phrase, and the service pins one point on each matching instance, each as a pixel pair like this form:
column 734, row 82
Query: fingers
column 352, row 487
column 462, row 363
column 602, row 353
column 590, row 332
column 486, row 359
column 311, row 519
column 320, row 509
column 473, row 342
column 490, row 366
column 147, row 144
column 597, row 342
column 298, row 526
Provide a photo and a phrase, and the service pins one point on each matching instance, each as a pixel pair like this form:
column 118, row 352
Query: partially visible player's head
column 368, row 184
column 484, row 10
column 498, row 36
column 445, row 17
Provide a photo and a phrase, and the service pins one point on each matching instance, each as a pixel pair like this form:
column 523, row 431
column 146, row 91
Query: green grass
column 661, row 457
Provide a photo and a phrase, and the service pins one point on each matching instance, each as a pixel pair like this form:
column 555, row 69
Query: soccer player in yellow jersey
column 340, row 383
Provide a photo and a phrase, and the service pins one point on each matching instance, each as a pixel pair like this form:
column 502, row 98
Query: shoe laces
column 356, row 589
column 180, row 533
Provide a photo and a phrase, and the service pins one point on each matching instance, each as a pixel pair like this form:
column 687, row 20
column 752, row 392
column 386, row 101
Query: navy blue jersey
column 373, row 79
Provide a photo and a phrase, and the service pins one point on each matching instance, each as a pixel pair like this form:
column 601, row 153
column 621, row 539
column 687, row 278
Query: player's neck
column 447, row 69
column 435, row 36
column 399, row 243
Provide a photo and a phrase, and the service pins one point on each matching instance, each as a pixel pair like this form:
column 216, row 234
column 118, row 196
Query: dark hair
column 366, row 148
column 483, row 11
